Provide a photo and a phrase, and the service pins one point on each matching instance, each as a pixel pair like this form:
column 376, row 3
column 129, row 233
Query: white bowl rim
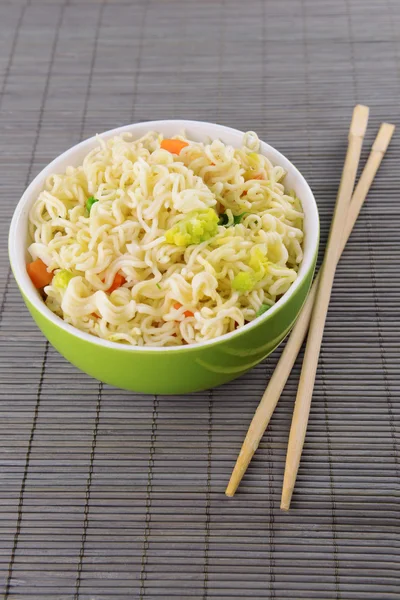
column 19, row 224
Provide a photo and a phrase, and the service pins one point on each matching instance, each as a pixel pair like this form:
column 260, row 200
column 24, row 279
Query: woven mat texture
column 109, row 495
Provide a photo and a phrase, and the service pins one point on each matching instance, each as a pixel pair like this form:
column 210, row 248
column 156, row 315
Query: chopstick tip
column 230, row 490
column 287, row 491
column 383, row 138
column 359, row 120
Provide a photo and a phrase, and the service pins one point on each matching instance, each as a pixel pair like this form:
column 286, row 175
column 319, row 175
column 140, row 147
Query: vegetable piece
column 39, row 274
column 89, row 203
column 238, row 218
column 196, row 227
column 119, row 281
column 244, row 282
column 173, row 146
column 224, row 219
column 263, row 308
column 62, row 279
column 258, row 262
column 158, row 285
column 187, row 313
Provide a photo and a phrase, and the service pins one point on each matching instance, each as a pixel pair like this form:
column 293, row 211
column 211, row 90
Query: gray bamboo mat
column 110, row 495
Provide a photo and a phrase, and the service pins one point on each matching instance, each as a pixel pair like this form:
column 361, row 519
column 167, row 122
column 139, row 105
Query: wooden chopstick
column 285, row 364
column 320, row 309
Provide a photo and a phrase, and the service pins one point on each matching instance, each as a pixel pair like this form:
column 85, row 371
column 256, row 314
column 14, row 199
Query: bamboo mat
column 110, row 495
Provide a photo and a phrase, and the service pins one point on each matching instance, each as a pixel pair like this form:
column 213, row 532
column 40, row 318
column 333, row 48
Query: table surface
column 110, row 495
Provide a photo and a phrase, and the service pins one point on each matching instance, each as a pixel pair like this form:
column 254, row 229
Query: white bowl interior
column 196, row 130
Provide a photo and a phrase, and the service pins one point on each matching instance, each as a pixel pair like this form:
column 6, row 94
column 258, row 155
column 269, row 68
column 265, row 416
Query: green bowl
column 180, row 369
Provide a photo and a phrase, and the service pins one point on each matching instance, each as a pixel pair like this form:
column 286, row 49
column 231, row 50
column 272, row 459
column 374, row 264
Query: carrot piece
column 39, row 274
column 173, row 146
column 259, row 176
column 187, row 313
column 119, row 281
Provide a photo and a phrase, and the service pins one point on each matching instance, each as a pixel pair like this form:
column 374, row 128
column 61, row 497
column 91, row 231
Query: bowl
column 181, row 369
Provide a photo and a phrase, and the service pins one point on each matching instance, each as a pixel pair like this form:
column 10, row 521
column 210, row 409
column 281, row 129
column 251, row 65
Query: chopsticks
column 302, row 405
column 285, row 364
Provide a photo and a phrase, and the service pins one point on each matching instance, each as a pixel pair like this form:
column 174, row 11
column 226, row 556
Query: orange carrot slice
column 39, row 274
column 187, row 313
column 173, row 146
column 119, row 281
